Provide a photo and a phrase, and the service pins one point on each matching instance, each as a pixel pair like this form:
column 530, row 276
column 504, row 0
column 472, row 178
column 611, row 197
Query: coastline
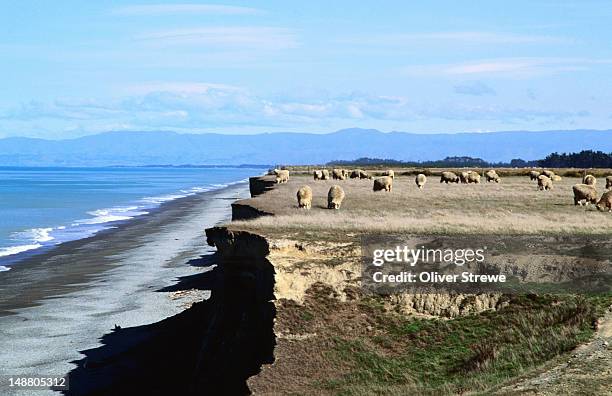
column 59, row 302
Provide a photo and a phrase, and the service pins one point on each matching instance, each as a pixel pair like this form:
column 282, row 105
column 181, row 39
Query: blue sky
column 72, row 68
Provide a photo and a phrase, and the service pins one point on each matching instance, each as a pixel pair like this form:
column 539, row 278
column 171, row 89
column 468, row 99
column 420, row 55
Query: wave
column 9, row 251
column 3, row 268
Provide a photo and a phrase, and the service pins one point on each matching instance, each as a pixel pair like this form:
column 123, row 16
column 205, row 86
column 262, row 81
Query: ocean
column 43, row 207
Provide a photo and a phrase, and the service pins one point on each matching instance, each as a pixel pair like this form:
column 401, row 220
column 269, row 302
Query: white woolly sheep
column 384, row 183
column 548, row 173
column 609, row 182
column 463, row 176
column 449, row 177
column 355, row 174
column 473, row 177
column 556, row 178
column 338, row 174
column 605, row 202
column 584, row 193
column 317, row 175
column 282, row 176
column 325, row 174
column 335, row 196
column 389, row 173
column 492, row 175
column 533, row 175
column 590, row 180
column 544, row 183
column 420, row 180
column 304, row 197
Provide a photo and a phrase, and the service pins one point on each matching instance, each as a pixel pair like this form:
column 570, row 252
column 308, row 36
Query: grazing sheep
column 491, row 175
column 473, row 177
column 548, row 173
column 449, row 177
column 463, row 176
column 605, row 202
column 544, row 183
column 355, row 173
column 590, row 180
column 383, row 183
column 609, row 182
column 318, row 175
column 533, row 175
column 338, row 174
column 584, row 192
column 420, row 180
column 335, row 196
column 282, row 175
column 389, row 173
column 345, row 173
column 556, row 178
column 304, row 197
column 364, row 175
column 325, row 174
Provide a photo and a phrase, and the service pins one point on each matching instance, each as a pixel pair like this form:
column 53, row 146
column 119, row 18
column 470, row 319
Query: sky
column 74, row 68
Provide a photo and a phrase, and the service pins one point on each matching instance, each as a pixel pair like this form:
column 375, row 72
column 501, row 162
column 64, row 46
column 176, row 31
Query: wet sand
column 60, row 302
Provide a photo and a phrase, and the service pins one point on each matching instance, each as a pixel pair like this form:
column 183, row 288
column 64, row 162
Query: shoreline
column 21, row 271
column 119, row 214
column 60, row 302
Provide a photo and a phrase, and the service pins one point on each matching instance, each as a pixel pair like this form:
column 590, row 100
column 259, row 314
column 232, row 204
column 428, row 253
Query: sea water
column 42, row 207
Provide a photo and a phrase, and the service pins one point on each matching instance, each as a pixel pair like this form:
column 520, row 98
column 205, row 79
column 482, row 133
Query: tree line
column 583, row 159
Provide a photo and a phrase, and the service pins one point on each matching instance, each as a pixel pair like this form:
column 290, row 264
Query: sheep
column 389, row 173
column 318, row 175
column 491, row 175
column 449, row 177
column 473, row 177
column 364, row 175
column 605, row 202
column 338, row 174
column 584, row 192
column 335, row 196
column 463, row 176
column 548, row 173
column 304, row 197
column 533, row 175
column 355, row 174
column 590, row 180
column 325, row 174
column 383, row 183
column 282, row 176
column 608, row 182
column 345, row 173
column 556, row 178
column 544, row 183
column 420, row 180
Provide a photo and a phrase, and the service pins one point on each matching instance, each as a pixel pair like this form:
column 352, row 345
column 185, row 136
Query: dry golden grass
column 514, row 206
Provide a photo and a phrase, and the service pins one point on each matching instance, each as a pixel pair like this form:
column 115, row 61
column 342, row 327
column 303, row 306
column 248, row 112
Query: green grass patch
column 470, row 353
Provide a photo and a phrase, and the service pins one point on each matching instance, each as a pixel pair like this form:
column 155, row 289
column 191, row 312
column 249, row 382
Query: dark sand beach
column 58, row 303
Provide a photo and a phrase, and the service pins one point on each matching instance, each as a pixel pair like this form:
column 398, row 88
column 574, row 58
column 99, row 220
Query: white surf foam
column 3, row 268
column 9, row 251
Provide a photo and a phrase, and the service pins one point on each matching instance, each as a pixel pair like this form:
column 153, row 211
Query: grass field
column 336, row 340
column 514, row 206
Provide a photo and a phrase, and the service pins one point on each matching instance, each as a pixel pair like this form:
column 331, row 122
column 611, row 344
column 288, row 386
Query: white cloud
column 196, row 106
column 474, row 37
column 509, row 67
column 186, row 8
column 255, row 37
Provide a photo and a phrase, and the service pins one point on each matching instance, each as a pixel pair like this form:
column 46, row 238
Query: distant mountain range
column 169, row 148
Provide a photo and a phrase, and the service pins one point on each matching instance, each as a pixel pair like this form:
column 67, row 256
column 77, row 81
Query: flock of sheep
column 584, row 193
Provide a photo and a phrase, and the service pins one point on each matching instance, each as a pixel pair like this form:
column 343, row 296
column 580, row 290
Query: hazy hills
column 146, row 148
